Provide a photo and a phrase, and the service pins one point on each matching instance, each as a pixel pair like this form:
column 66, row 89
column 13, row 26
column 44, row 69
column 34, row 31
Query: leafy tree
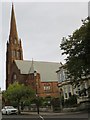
column 77, row 49
column 18, row 93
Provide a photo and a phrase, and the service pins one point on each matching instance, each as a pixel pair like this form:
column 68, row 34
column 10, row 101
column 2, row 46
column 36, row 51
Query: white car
column 9, row 110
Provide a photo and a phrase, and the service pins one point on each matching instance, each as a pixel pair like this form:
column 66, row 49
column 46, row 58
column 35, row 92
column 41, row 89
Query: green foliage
column 17, row 94
column 38, row 101
column 56, row 102
column 71, row 101
column 47, row 101
column 77, row 49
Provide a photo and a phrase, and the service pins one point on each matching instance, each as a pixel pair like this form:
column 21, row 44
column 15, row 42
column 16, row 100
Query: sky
column 41, row 27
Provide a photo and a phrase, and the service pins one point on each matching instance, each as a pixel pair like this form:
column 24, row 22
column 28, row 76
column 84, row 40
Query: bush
column 72, row 101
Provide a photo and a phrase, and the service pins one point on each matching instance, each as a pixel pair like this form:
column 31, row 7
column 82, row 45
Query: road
column 55, row 116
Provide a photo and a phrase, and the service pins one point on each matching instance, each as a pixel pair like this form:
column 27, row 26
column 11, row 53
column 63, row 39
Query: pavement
column 52, row 113
column 47, row 116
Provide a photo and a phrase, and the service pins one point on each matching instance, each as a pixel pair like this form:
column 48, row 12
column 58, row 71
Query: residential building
column 67, row 88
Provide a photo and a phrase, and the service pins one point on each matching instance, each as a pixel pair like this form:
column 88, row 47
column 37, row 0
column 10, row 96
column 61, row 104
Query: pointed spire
column 31, row 70
column 13, row 27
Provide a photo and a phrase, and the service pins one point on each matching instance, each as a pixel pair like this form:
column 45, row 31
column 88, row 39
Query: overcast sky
column 41, row 26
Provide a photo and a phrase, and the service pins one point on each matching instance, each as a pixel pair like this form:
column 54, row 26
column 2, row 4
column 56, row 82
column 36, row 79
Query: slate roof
column 47, row 70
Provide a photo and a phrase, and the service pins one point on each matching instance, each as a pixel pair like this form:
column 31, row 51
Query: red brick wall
column 48, row 89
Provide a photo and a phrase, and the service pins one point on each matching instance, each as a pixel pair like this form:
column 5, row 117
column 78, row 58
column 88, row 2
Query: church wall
column 16, row 75
column 22, row 78
column 49, row 89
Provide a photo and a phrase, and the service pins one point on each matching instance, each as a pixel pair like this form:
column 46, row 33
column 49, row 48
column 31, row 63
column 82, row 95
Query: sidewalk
column 50, row 113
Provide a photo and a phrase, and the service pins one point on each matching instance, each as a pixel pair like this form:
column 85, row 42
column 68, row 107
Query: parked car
column 9, row 110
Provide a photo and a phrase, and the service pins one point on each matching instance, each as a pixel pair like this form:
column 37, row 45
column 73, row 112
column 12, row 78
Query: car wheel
column 8, row 113
column 2, row 113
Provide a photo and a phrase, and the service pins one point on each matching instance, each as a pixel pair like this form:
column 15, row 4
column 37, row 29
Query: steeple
column 13, row 28
column 14, row 48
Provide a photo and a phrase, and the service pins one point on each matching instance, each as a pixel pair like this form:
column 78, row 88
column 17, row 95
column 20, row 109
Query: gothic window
column 15, row 41
column 13, row 53
column 14, row 76
column 18, row 54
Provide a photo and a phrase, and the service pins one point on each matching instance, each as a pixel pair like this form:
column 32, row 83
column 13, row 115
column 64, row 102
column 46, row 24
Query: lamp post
column 37, row 103
column 37, row 97
column 61, row 99
column 0, row 103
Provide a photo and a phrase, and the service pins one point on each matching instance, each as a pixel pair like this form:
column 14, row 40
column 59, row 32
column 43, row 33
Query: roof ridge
column 37, row 61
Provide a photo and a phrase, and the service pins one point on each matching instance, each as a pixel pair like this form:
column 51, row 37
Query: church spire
column 13, row 27
column 14, row 48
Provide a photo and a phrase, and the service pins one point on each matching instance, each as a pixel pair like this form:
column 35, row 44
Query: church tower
column 14, row 47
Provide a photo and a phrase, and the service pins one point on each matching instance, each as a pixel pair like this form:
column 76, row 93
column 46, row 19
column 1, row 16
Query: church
column 40, row 75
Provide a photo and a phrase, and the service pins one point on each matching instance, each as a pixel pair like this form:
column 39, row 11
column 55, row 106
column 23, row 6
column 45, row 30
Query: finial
column 12, row 4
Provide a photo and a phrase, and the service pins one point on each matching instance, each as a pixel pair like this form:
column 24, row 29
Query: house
column 67, row 88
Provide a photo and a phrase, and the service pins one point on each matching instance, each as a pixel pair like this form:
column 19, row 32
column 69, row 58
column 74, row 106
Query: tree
column 38, row 101
column 18, row 93
column 77, row 49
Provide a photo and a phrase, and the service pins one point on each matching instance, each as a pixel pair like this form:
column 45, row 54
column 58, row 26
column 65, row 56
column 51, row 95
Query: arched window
column 14, row 76
column 18, row 54
column 15, row 41
column 13, row 53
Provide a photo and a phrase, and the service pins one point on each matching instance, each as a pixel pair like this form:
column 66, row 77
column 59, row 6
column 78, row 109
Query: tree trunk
column 19, row 111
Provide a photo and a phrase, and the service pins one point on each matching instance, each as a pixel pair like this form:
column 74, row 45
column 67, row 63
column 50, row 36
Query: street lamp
column 61, row 99
column 37, row 97
column 0, row 103
column 37, row 103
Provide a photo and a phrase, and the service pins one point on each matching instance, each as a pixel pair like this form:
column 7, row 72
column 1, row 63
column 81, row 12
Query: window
column 47, row 87
column 69, row 94
column 85, row 94
column 15, row 41
column 14, row 76
column 64, row 89
column 60, row 77
column 32, row 76
column 65, row 95
column 68, row 88
column 13, row 53
column 79, row 93
column 18, row 54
